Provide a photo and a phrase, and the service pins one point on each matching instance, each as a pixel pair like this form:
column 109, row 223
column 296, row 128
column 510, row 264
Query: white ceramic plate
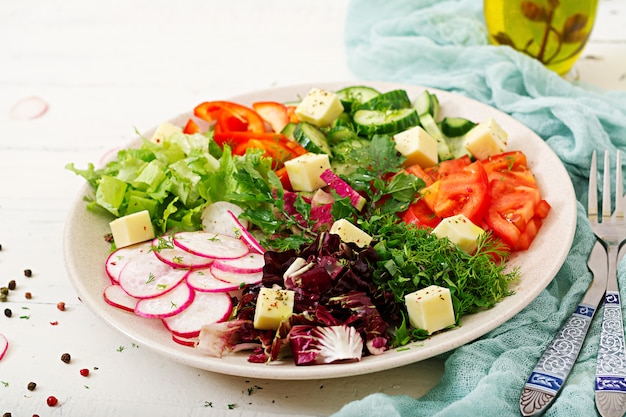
column 85, row 252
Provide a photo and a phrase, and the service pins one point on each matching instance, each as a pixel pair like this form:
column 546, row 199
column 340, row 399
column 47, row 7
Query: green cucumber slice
column 311, row 138
column 391, row 100
column 370, row 122
column 355, row 95
column 456, row 126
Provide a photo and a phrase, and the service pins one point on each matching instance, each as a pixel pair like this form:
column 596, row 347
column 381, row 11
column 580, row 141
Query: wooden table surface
column 76, row 80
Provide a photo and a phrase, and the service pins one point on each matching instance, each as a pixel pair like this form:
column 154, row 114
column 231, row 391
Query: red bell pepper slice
column 191, row 127
column 226, row 112
column 274, row 113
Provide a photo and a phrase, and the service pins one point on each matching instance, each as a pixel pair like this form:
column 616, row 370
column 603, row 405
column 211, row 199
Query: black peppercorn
column 28, row 273
column 31, row 386
column 8, row 312
column 66, row 357
column 12, row 285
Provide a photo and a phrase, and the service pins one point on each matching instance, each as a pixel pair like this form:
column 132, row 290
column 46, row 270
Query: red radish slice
column 204, row 280
column 207, row 307
column 176, row 257
column 250, row 263
column 237, row 277
column 28, row 108
column 185, row 341
column 166, row 305
column 120, row 257
column 215, row 218
column 211, row 245
column 245, row 235
column 4, row 345
column 114, row 295
column 146, row 276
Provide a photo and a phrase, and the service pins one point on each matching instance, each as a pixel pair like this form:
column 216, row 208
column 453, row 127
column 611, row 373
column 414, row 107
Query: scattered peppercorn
column 31, row 386
column 66, row 357
column 6, row 415
column 28, row 273
column 61, row 306
column 3, row 297
column 8, row 312
column 28, row 295
column 84, row 372
column 52, row 401
column 12, row 284
column 4, row 290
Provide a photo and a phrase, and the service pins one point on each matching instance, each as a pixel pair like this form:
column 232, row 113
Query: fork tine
column 619, row 189
column 606, row 188
column 592, row 197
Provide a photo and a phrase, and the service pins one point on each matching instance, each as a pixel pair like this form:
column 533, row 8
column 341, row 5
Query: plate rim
column 237, row 365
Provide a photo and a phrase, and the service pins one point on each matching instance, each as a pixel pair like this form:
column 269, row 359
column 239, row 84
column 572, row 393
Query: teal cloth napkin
column 443, row 44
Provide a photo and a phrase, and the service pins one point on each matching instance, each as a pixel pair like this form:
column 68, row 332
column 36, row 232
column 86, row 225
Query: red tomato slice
column 460, row 189
column 421, row 215
column 191, row 127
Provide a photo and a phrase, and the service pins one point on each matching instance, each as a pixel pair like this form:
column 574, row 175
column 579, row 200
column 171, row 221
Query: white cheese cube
column 486, row 139
column 350, row 233
column 417, row 146
column 460, row 231
column 430, row 308
column 273, row 306
column 132, row 228
column 319, row 107
column 164, row 131
column 304, row 171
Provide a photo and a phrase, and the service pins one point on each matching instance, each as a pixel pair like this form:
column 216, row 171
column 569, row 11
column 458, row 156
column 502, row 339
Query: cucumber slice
column 391, row 100
column 456, row 126
column 355, row 95
column 344, row 119
column 289, row 130
column 371, row 122
column 311, row 138
column 348, row 150
column 430, row 126
column 427, row 103
column 339, row 134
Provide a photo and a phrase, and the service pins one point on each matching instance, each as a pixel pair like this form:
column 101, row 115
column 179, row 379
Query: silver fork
column 555, row 364
column 610, row 386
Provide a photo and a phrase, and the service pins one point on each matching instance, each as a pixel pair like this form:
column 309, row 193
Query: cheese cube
column 350, row 233
column 460, row 231
column 273, row 306
column 132, row 228
column 430, row 308
column 486, row 139
column 304, row 171
column 319, row 107
column 417, row 146
column 164, row 131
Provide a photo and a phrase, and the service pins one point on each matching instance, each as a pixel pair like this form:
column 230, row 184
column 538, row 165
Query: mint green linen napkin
column 443, row 44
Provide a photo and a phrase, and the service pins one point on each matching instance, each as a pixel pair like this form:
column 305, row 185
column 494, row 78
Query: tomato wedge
column 191, row 127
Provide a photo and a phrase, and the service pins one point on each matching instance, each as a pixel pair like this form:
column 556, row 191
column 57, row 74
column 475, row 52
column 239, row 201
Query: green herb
column 121, row 348
column 231, row 406
column 208, row 404
column 151, row 278
column 5, row 383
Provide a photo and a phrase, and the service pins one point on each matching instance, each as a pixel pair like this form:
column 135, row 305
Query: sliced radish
column 207, row 307
column 215, row 218
column 120, row 257
column 166, row 305
column 4, row 345
column 177, row 257
column 146, row 276
column 114, row 295
column 211, row 245
column 246, row 235
column 237, row 277
column 204, row 280
column 185, row 341
column 247, row 264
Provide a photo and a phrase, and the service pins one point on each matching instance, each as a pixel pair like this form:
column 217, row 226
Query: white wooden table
column 104, row 69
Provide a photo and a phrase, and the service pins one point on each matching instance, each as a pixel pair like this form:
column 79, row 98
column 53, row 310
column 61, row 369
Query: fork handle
column 611, row 366
column 554, row 366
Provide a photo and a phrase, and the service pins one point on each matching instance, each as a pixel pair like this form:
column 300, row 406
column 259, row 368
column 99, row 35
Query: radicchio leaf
column 312, row 345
